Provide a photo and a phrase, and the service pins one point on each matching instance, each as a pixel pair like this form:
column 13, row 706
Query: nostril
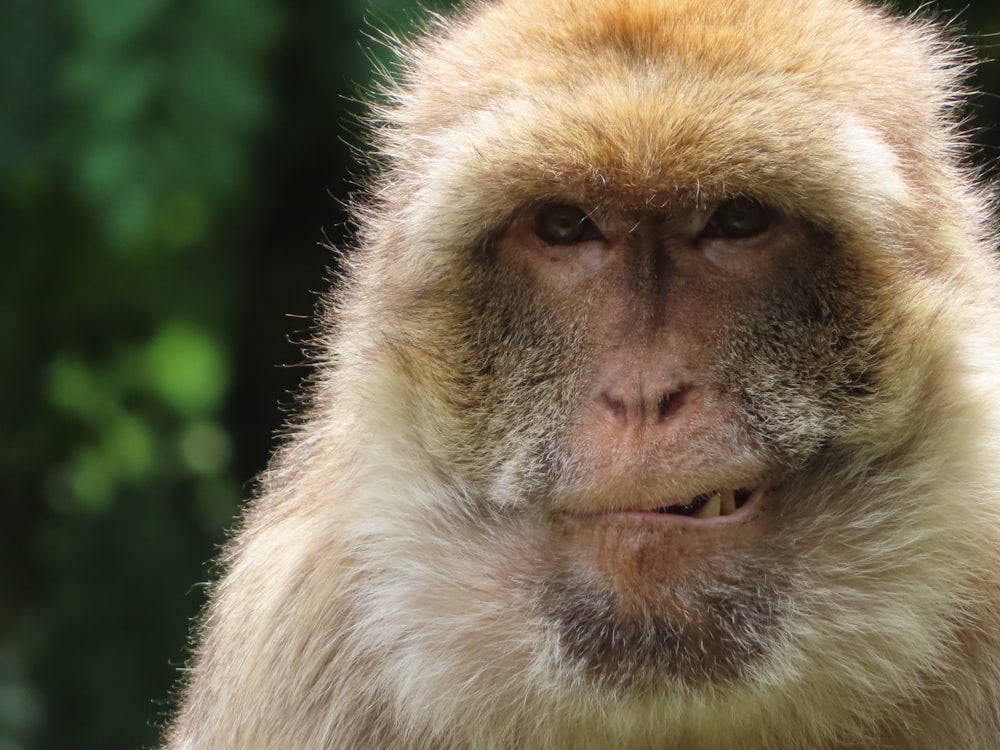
column 668, row 405
column 653, row 409
column 616, row 408
column 663, row 407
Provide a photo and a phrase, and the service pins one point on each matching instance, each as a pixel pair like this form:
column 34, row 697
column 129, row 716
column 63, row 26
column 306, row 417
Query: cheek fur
column 803, row 365
column 530, row 371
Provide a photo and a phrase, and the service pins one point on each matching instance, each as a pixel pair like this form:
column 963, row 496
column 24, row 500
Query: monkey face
column 650, row 351
column 658, row 325
column 662, row 409
column 651, row 434
column 639, row 401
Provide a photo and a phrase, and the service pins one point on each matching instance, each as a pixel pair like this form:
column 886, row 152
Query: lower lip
column 739, row 515
column 641, row 554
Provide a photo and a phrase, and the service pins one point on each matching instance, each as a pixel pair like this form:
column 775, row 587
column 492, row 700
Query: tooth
column 728, row 502
column 711, row 508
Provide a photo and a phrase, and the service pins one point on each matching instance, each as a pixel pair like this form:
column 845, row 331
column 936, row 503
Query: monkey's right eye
column 563, row 224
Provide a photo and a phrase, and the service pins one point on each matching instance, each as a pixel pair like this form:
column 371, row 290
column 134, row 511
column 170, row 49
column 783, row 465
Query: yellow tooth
column 728, row 502
column 711, row 508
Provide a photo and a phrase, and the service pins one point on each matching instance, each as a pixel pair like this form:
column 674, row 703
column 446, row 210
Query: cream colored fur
column 378, row 597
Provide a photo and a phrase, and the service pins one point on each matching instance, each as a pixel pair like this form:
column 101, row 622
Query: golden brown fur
column 423, row 568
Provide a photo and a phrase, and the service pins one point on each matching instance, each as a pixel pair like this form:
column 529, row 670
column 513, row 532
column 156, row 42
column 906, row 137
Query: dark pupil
column 739, row 218
column 561, row 225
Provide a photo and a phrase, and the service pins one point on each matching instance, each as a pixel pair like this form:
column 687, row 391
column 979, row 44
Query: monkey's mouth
column 709, row 504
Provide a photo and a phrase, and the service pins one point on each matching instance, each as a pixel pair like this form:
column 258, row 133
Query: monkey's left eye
column 738, row 218
column 563, row 224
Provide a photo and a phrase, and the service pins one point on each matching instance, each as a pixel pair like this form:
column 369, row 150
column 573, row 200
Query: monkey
column 657, row 404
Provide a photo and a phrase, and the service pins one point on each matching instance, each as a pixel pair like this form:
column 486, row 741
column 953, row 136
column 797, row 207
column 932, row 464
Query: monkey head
column 660, row 399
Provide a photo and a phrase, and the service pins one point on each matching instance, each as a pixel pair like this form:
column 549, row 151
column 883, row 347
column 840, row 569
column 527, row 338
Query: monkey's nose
column 632, row 407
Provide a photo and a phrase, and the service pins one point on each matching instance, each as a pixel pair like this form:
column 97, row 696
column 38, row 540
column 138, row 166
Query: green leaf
column 187, row 369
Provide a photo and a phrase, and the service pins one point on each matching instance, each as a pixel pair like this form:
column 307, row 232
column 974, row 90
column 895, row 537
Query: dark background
column 169, row 174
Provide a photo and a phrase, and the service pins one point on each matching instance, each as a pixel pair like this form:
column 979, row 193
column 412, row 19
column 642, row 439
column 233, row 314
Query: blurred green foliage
column 166, row 173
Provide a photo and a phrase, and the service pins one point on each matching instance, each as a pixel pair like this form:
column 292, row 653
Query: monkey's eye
column 563, row 224
column 738, row 218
